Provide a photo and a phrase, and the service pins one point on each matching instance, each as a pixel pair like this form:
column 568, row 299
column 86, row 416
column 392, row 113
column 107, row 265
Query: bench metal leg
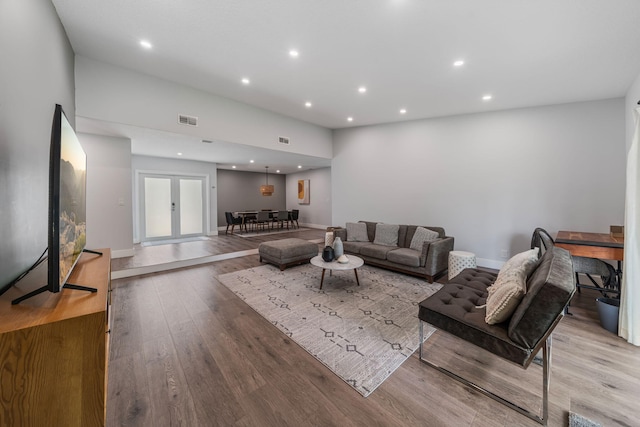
column 546, row 377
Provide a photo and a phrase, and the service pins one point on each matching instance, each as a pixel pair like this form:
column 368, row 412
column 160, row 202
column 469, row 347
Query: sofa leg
column 546, row 379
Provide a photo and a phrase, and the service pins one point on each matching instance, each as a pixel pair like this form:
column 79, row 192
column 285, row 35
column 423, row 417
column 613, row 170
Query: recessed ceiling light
column 349, row 119
column 278, row 171
column 146, row 44
column 293, row 53
column 307, row 104
column 403, row 111
column 251, row 161
column 458, row 63
column 362, row 89
column 179, row 154
column 245, row 81
column 233, row 167
column 299, row 166
column 487, row 97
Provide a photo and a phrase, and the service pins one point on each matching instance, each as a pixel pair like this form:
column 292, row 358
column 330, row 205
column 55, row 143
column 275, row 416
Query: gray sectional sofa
column 430, row 262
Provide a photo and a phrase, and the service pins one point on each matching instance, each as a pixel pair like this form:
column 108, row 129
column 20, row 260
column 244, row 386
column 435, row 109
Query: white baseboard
column 489, row 263
column 316, row 226
column 122, row 253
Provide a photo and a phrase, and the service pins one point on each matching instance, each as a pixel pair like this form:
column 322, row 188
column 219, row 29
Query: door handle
column 173, row 207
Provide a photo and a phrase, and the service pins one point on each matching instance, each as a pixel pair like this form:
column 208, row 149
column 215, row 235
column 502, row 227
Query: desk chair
column 587, row 266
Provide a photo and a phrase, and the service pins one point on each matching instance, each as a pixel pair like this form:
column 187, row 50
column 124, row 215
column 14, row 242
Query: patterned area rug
column 361, row 333
column 576, row 420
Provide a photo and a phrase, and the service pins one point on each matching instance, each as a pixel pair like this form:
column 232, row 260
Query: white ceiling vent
column 187, row 120
column 283, row 140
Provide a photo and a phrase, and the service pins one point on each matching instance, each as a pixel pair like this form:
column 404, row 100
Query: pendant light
column 266, row 190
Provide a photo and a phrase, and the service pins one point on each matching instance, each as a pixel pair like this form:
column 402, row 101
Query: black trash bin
column 608, row 309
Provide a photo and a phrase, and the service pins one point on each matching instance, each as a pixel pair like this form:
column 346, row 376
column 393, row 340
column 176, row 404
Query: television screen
column 67, row 201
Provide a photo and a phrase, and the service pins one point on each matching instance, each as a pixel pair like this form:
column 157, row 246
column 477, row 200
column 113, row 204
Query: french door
column 171, row 207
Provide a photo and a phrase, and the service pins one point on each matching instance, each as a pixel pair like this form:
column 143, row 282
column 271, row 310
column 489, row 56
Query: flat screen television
column 67, row 201
column 67, row 220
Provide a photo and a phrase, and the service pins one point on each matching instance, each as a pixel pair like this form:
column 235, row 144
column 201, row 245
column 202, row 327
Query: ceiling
column 522, row 53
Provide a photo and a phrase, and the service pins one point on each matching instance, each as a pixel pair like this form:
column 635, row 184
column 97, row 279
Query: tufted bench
column 458, row 308
column 287, row 252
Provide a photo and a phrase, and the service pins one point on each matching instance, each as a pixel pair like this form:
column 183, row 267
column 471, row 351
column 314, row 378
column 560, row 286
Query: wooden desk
column 591, row 245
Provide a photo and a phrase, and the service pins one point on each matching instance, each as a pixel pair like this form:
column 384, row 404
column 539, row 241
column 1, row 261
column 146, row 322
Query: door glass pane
column 191, row 206
column 157, row 207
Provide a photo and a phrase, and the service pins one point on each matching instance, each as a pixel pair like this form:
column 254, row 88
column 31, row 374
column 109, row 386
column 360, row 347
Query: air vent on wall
column 283, row 140
column 187, row 120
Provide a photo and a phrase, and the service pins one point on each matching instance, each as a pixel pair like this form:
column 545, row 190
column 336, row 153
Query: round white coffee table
column 354, row 263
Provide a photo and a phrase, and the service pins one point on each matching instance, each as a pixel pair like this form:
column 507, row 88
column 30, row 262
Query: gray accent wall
column 109, row 203
column 240, row 191
column 37, row 72
column 317, row 214
column 489, row 179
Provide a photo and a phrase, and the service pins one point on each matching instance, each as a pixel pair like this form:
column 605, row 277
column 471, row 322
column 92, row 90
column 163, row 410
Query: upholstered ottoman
column 459, row 260
column 287, row 252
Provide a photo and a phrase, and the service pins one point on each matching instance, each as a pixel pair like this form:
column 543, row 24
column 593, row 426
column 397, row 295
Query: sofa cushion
column 386, row 234
column 510, row 286
column 519, row 265
column 503, row 300
column 357, row 232
column 354, row 247
column 404, row 256
column 421, row 236
column 376, row 251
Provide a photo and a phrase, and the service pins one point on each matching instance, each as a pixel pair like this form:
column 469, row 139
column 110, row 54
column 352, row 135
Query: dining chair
column 293, row 217
column 232, row 221
column 282, row 218
column 250, row 220
column 262, row 219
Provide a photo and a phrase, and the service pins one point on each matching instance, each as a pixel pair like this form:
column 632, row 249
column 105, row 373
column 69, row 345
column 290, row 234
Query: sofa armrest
column 436, row 255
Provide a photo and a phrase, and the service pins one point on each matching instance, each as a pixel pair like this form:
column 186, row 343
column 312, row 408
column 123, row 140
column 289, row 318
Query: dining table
column 248, row 214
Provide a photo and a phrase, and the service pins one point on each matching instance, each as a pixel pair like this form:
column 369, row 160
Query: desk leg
column 619, row 274
column 355, row 270
column 322, row 278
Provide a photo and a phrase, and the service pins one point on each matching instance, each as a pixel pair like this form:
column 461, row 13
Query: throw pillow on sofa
column 421, row 236
column 357, row 232
column 386, row 234
column 510, row 286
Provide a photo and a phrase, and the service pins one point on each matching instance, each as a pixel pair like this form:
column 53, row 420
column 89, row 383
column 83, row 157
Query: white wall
column 173, row 166
column 36, row 72
column 489, row 179
column 109, row 198
column 114, row 94
column 317, row 213
column 631, row 103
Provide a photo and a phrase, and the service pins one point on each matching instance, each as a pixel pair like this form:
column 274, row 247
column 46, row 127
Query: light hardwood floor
column 186, row 351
